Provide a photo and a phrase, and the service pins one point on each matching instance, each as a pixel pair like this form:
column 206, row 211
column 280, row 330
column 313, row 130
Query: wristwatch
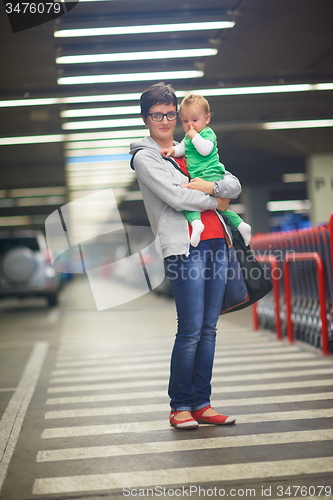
column 216, row 188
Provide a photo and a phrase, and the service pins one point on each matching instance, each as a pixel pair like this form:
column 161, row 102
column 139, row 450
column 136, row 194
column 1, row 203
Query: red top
column 213, row 226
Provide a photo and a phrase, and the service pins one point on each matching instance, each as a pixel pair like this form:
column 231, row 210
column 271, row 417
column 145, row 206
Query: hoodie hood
column 147, row 143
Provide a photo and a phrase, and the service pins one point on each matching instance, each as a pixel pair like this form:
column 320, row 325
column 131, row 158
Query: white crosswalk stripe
column 159, row 394
column 161, row 425
column 143, row 365
column 218, row 390
column 121, row 374
column 84, row 453
column 119, row 410
column 275, row 348
column 155, row 382
column 181, row 476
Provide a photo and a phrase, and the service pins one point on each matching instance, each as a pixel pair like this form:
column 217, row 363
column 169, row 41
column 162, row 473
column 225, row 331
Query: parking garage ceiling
column 273, row 43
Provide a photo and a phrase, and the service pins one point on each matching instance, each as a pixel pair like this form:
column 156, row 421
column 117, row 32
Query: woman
column 197, row 275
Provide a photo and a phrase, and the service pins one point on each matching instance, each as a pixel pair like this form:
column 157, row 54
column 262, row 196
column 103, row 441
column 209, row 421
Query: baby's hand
column 168, row 152
column 191, row 132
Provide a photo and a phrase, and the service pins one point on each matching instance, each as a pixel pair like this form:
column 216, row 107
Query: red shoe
column 189, row 423
column 215, row 419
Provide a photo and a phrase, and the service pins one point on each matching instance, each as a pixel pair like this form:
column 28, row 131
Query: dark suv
column 25, row 266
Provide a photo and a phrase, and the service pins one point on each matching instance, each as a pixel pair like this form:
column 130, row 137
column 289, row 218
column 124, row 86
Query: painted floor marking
column 218, row 389
column 100, row 355
column 162, row 394
column 95, row 430
column 119, row 410
column 163, row 381
column 182, row 476
column 162, row 369
column 84, row 453
column 223, row 402
column 166, row 356
column 12, row 419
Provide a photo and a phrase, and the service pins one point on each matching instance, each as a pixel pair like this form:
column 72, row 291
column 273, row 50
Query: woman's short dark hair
column 160, row 93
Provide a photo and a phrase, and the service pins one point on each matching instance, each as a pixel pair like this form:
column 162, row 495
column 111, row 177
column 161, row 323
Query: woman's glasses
column 158, row 117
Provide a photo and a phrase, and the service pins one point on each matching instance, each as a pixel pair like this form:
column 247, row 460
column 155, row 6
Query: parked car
column 25, row 266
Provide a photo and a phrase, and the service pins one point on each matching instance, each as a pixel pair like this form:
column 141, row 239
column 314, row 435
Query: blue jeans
column 198, row 284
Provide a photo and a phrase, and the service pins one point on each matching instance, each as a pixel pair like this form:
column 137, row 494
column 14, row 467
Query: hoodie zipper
column 176, row 166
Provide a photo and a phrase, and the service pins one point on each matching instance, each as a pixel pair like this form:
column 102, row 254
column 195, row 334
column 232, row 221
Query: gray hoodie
column 160, row 182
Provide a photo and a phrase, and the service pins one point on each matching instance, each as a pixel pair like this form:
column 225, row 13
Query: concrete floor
column 84, row 407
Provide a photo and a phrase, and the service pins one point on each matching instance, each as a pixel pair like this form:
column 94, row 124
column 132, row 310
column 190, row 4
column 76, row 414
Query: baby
column 200, row 149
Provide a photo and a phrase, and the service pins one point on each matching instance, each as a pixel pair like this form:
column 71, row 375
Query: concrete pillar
column 255, row 199
column 320, row 187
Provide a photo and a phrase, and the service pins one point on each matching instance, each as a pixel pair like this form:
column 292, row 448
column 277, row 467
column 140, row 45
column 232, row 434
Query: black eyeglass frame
column 163, row 115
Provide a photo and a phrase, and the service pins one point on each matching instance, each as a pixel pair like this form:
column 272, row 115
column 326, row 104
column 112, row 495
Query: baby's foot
column 245, row 231
column 197, row 228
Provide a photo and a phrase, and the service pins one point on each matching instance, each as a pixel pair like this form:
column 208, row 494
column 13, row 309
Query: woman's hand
column 200, row 185
column 222, row 204
column 167, row 152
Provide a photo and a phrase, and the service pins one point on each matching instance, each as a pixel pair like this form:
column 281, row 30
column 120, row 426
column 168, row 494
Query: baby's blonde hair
column 192, row 101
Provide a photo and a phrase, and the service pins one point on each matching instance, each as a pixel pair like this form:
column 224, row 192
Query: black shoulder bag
column 257, row 282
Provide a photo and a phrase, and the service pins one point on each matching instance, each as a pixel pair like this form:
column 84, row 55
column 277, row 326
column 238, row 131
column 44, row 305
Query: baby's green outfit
column 206, row 167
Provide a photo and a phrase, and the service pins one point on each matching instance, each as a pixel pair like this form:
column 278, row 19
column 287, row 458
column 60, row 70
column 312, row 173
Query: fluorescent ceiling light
column 40, row 201
column 44, row 191
column 149, row 28
column 101, row 98
column 100, row 175
column 91, row 181
column 111, row 134
column 260, row 89
column 102, row 144
column 70, row 100
column 97, row 170
column 96, row 152
column 129, row 77
column 29, row 102
column 297, row 124
column 97, row 165
column 288, row 205
column 33, row 139
column 123, row 110
column 40, row 139
column 263, row 89
column 91, row 0
column 126, row 122
column 16, row 220
column 135, row 56
column 294, row 177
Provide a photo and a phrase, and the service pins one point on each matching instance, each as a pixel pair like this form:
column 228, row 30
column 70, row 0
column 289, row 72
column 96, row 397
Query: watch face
column 216, row 188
